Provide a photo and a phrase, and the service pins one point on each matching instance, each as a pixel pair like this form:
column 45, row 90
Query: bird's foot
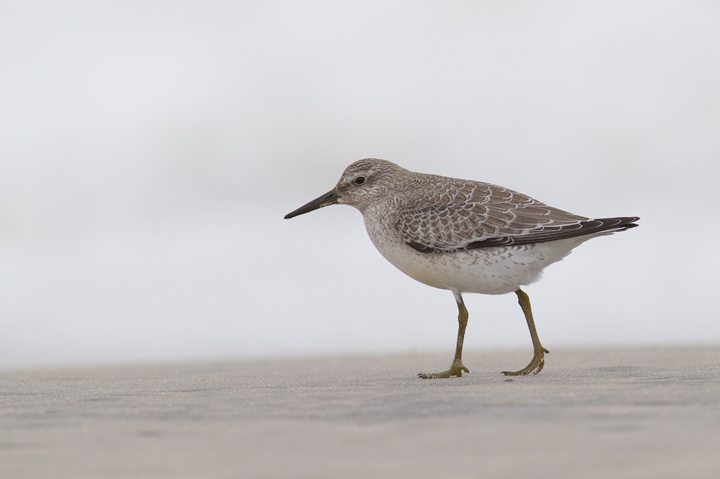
column 455, row 370
column 535, row 365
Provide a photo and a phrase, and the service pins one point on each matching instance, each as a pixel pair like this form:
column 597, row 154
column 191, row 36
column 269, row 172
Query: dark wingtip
column 627, row 222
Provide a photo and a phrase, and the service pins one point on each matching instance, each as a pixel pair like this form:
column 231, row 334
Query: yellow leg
column 539, row 352
column 457, row 367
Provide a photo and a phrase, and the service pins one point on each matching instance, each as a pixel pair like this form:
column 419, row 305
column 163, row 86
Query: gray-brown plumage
column 462, row 235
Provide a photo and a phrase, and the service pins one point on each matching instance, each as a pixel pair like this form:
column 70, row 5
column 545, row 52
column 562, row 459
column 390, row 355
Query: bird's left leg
column 457, row 367
column 539, row 352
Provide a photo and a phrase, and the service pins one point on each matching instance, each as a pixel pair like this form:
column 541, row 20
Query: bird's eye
column 359, row 180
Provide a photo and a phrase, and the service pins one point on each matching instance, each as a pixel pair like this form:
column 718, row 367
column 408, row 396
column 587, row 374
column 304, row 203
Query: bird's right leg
column 538, row 360
column 457, row 367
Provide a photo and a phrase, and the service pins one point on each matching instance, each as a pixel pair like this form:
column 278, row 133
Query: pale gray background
column 149, row 150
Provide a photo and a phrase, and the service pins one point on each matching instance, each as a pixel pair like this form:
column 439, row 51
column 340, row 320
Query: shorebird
column 461, row 235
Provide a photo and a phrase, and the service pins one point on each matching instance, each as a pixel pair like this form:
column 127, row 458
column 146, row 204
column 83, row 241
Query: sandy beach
column 593, row 413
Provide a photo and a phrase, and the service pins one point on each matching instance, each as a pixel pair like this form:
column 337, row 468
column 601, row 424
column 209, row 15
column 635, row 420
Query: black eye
column 359, row 180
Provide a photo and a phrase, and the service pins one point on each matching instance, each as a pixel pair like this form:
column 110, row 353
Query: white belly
column 496, row 270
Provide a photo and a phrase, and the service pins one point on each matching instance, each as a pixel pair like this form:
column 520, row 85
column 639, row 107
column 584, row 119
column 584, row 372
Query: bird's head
column 361, row 184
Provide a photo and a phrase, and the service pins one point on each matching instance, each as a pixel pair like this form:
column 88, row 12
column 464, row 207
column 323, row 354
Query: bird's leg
column 539, row 352
column 457, row 367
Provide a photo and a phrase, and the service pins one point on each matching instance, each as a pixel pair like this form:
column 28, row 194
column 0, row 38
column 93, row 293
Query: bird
column 463, row 236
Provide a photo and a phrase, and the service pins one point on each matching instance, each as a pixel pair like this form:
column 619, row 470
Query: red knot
column 461, row 235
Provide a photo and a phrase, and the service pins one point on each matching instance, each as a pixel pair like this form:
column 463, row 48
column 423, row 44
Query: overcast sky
column 149, row 150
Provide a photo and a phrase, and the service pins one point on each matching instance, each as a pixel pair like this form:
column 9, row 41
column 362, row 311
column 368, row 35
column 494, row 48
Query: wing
column 469, row 215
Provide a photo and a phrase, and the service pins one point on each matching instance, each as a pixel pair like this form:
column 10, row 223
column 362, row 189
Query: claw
column 536, row 364
column 453, row 371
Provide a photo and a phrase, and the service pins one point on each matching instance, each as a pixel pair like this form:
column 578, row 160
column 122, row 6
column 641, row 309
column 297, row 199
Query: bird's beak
column 329, row 198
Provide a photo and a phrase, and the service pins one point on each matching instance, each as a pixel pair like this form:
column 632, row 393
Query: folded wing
column 471, row 215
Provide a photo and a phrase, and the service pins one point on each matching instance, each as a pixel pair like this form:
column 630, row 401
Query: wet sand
column 594, row 413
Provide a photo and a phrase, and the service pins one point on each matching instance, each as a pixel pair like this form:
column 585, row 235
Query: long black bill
column 329, row 198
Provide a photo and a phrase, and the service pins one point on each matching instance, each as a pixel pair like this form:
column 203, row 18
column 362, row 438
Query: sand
column 594, row 413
